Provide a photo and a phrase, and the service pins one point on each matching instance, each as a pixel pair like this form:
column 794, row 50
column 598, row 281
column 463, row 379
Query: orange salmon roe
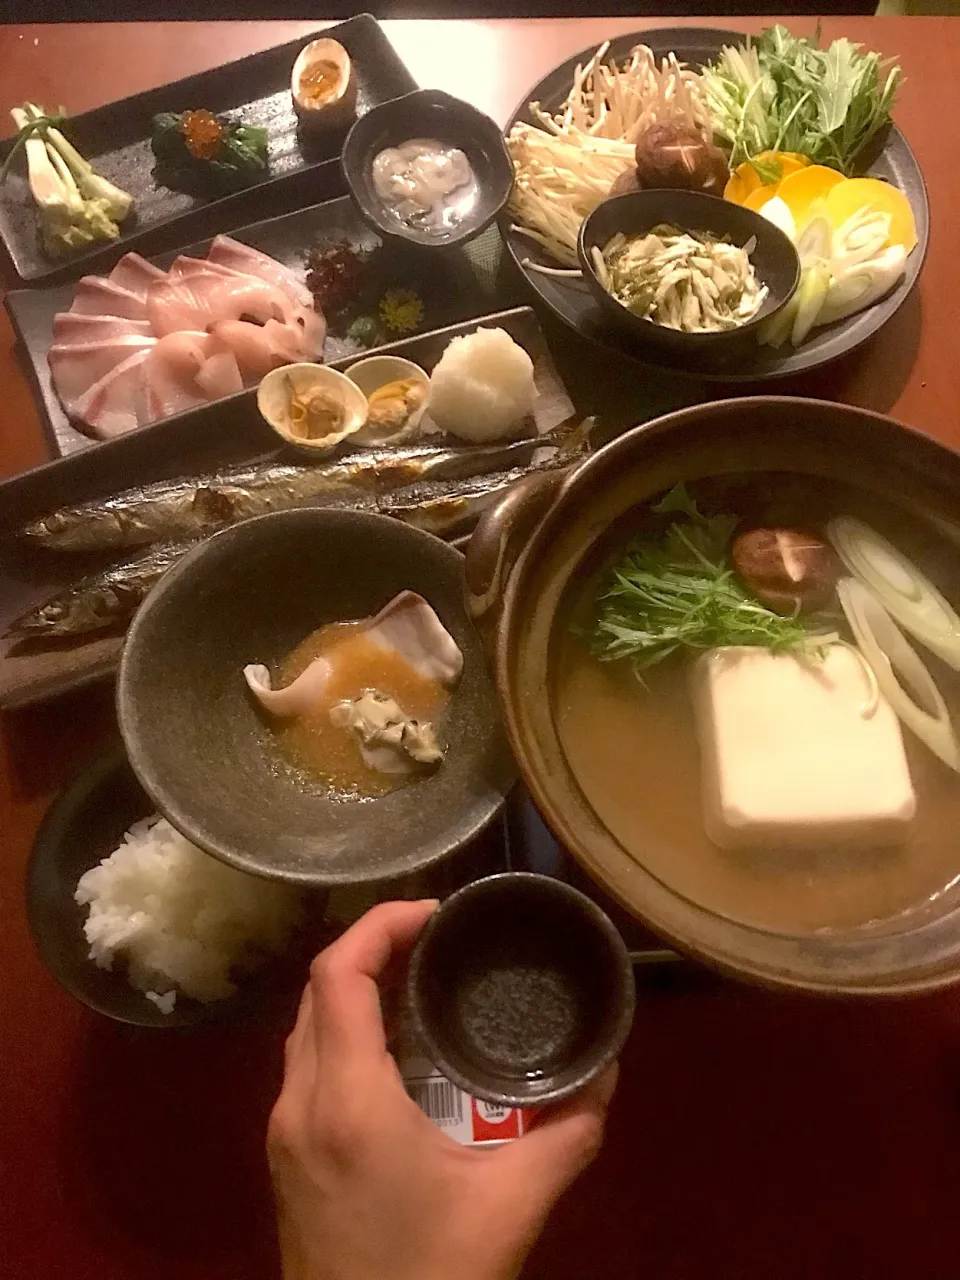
column 203, row 132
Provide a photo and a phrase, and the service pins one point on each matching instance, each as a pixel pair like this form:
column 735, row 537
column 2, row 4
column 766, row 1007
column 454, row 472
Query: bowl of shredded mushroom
column 686, row 272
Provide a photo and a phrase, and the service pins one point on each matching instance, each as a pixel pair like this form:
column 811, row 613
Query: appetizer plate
column 450, row 292
column 230, row 432
column 571, row 301
column 116, row 140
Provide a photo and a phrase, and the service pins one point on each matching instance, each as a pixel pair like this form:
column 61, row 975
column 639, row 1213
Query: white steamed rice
column 482, row 387
column 181, row 920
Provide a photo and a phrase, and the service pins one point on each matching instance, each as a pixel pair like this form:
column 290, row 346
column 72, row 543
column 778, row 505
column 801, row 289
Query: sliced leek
column 905, row 592
column 903, row 679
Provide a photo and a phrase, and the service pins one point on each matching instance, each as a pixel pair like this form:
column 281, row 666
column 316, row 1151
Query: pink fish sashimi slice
column 98, row 297
column 313, row 332
column 172, row 373
column 184, row 267
column 135, row 274
column 241, row 257
column 69, row 327
column 115, row 403
column 200, row 301
column 259, row 348
column 220, row 376
column 75, row 368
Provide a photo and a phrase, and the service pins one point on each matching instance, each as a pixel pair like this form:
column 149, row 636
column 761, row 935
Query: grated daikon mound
column 180, row 919
column 482, row 388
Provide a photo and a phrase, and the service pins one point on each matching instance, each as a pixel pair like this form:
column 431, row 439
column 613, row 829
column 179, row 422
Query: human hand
column 368, row 1188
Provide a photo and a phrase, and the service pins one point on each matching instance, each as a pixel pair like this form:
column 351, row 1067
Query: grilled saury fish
column 191, row 508
column 446, row 507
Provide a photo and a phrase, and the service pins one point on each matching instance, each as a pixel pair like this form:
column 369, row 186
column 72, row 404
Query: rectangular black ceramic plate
column 304, row 167
column 451, row 290
column 228, row 432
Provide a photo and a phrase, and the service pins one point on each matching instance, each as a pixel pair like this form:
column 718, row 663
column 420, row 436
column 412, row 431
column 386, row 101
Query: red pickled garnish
column 202, row 132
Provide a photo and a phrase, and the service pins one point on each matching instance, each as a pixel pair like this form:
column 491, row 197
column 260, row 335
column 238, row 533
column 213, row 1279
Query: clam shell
column 273, row 398
column 374, row 372
column 341, row 103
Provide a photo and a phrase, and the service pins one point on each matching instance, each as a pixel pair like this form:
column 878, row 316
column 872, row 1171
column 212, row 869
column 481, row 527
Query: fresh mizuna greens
column 201, row 153
column 901, row 675
column 76, row 206
column 899, row 585
column 784, row 93
column 675, row 589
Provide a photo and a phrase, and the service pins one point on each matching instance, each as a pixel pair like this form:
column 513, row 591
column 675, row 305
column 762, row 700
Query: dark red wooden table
column 754, row 1137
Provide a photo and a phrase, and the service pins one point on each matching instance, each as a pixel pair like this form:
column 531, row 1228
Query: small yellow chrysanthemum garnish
column 401, row 310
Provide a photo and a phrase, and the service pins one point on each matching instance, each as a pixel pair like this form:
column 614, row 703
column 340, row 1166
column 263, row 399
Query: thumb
column 564, row 1140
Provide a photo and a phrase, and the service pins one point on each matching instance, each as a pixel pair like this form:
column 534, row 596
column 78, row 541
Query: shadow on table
column 47, row 744
column 163, row 1141
column 875, row 375
column 625, row 393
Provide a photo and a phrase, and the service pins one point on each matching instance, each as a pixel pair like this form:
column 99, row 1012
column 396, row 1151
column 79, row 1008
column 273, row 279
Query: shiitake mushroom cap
column 625, row 182
column 789, row 570
column 677, row 155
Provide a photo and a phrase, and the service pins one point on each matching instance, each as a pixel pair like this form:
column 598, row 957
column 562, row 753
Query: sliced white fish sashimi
column 115, row 403
column 183, row 267
column 202, row 331
column 96, row 296
column 69, row 327
column 170, row 375
column 409, row 626
column 220, row 376
column 231, row 253
column 135, row 274
column 298, row 698
column 75, row 367
column 259, row 348
column 199, row 301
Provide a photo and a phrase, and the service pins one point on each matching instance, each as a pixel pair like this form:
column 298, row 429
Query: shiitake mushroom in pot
column 625, row 183
column 677, row 155
column 788, row 570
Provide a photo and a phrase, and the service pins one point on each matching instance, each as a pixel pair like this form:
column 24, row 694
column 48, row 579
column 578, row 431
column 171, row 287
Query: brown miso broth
column 331, row 753
column 633, row 749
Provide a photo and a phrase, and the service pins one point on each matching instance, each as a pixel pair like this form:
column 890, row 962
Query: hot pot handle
column 501, row 534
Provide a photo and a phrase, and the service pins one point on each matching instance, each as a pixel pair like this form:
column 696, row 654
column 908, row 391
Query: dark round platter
column 570, row 300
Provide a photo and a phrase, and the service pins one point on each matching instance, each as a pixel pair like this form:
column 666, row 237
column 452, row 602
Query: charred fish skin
column 101, row 601
column 176, row 510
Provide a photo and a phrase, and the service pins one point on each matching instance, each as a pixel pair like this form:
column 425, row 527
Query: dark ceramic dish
column 83, row 825
column 571, row 300
column 774, row 259
column 530, row 547
column 429, row 113
column 451, row 291
column 116, row 139
column 521, row 989
column 209, row 759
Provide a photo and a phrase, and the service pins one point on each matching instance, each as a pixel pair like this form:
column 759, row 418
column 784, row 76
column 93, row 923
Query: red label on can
column 494, row 1123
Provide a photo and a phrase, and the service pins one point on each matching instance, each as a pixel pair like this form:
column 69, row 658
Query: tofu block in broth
column 798, row 752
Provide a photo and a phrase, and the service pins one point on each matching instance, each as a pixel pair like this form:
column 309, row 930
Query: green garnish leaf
column 674, row 590
column 768, row 171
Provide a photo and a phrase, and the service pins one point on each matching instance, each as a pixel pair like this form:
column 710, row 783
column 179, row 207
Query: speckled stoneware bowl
column 521, row 989
column 207, row 756
column 428, row 113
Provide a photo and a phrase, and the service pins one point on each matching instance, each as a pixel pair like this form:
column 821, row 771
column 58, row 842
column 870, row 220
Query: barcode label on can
column 451, row 1108
column 438, row 1099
